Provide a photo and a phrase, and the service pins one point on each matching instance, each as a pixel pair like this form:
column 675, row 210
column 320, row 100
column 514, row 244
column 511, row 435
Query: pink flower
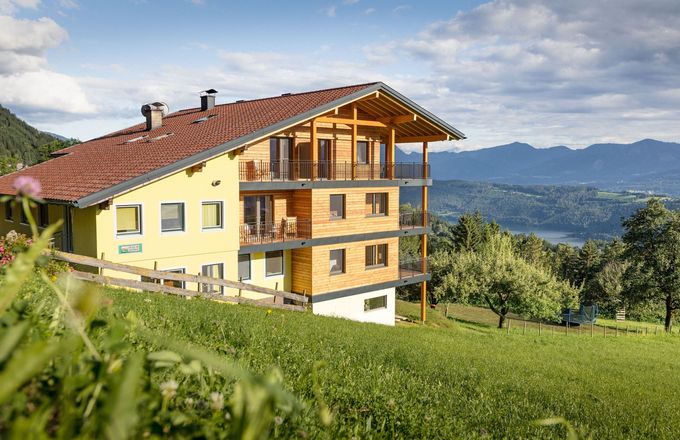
column 27, row 186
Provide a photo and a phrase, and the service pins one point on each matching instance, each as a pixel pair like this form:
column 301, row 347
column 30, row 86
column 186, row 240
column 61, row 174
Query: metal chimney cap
column 208, row 92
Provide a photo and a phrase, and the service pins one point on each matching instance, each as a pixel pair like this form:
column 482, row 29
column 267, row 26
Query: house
column 298, row 192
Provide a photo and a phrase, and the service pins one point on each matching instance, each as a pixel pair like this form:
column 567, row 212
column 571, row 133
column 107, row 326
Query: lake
column 553, row 237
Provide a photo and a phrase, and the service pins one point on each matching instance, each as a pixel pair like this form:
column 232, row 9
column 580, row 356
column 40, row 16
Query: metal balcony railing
column 414, row 266
column 292, row 170
column 285, row 230
column 414, row 219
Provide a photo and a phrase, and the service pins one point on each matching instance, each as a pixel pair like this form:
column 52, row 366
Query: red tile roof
column 111, row 160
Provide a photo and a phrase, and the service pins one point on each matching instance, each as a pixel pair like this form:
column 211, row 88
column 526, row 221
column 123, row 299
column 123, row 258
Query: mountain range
column 648, row 165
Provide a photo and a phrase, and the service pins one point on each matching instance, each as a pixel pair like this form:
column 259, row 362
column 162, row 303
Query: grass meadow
column 447, row 379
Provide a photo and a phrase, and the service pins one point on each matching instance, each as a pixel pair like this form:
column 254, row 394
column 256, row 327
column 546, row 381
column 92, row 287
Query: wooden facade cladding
column 312, row 276
column 357, row 217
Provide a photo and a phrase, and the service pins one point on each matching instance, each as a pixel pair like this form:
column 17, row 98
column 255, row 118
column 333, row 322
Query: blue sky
column 544, row 72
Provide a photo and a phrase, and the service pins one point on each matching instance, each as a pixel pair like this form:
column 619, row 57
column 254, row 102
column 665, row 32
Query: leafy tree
column 652, row 237
column 498, row 277
column 8, row 164
column 531, row 248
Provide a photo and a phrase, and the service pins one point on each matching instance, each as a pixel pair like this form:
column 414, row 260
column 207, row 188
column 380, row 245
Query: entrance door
column 281, row 154
column 258, row 215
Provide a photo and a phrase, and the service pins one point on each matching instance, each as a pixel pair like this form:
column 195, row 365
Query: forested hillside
column 584, row 210
column 19, row 139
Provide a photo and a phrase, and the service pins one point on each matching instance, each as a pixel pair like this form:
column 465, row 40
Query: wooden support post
column 389, row 153
column 447, row 310
column 240, row 280
column 354, row 142
column 524, row 332
column 508, row 332
column 591, row 330
column 313, row 148
column 604, row 327
column 656, row 329
column 539, row 328
column 101, row 269
column 423, row 238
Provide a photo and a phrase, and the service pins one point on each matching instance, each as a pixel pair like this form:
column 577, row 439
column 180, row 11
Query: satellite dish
column 163, row 107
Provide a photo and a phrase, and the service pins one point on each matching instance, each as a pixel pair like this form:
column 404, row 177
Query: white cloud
column 44, row 91
column 68, row 4
column 331, row 11
column 11, row 6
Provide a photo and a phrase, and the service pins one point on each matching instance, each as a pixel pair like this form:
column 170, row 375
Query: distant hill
column 19, row 139
column 584, row 211
column 648, row 165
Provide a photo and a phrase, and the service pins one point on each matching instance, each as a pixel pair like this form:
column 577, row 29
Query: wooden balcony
column 295, row 170
column 285, row 230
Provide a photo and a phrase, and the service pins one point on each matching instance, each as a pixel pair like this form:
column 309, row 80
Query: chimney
column 208, row 99
column 154, row 113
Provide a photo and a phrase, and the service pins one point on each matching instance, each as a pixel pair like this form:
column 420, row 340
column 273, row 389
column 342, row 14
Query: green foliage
column 652, row 238
column 497, row 276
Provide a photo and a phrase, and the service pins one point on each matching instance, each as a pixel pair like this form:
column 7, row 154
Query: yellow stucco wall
column 55, row 213
column 191, row 248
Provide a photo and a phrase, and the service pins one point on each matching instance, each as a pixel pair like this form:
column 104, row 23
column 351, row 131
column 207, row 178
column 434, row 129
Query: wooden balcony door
column 281, row 155
column 324, row 166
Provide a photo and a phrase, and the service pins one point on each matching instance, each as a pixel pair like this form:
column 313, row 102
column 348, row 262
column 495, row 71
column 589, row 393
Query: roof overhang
column 443, row 130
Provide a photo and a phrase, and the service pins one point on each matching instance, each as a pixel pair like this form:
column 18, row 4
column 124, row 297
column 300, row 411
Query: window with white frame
column 274, row 263
column 212, row 215
column 172, row 217
column 128, row 219
column 215, row 270
column 244, row 267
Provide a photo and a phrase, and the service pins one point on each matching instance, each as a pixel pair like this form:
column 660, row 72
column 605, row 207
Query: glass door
column 258, row 215
column 280, row 155
column 324, row 167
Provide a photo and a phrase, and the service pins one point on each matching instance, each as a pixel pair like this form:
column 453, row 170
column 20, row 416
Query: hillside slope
column 647, row 165
column 579, row 209
column 420, row 382
column 19, row 139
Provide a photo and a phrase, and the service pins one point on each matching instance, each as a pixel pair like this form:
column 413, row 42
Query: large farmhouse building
column 298, row 192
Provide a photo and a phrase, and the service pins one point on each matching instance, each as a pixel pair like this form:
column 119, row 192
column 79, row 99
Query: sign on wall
column 133, row 248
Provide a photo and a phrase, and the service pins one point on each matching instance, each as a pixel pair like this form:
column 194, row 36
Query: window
column 172, row 217
column 212, row 215
column 362, row 152
column 274, row 263
column 213, row 271
column 129, row 220
column 9, row 211
column 244, row 267
column 337, row 261
column 376, row 255
column 378, row 302
column 376, row 204
column 337, row 206
column 23, row 217
column 43, row 215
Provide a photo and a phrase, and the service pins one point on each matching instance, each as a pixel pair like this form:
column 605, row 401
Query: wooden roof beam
column 401, row 119
column 433, row 138
column 351, row 122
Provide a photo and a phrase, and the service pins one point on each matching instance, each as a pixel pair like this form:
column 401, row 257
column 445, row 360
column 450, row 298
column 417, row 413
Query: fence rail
column 174, row 276
column 414, row 219
column 291, row 170
column 286, row 230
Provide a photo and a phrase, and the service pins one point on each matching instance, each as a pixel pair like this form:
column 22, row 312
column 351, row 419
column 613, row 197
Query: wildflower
column 189, row 402
column 169, row 389
column 216, row 401
column 27, row 186
column 269, row 311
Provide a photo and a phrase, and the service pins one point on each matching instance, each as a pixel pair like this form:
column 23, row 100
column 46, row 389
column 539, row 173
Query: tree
column 498, row 277
column 468, row 232
column 652, row 238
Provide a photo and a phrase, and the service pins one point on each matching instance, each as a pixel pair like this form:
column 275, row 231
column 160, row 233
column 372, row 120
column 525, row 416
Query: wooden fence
column 200, row 280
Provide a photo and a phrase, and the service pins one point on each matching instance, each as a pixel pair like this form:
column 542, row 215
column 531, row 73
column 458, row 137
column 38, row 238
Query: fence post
column 617, row 330
column 539, row 328
column 508, row 332
column 605, row 330
column 566, row 329
column 591, row 329
column 101, row 269
column 524, row 332
column 627, row 329
column 656, row 329
column 240, row 280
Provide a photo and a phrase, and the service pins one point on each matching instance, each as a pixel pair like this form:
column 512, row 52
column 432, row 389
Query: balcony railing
column 414, row 219
column 292, row 170
column 285, row 230
column 414, row 266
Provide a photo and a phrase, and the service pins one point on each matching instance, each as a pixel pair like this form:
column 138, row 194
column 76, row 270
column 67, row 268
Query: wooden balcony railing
column 414, row 266
column 285, row 230
column 292, row 170
column 414, row 219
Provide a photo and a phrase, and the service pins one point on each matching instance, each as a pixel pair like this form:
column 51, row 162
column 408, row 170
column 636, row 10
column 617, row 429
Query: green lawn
column 444, row 380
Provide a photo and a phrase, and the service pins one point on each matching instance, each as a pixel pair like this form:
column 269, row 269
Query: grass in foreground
column 423, row 382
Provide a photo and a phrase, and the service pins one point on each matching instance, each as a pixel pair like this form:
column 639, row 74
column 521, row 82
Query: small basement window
column 213, row 271
column 378, row 302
